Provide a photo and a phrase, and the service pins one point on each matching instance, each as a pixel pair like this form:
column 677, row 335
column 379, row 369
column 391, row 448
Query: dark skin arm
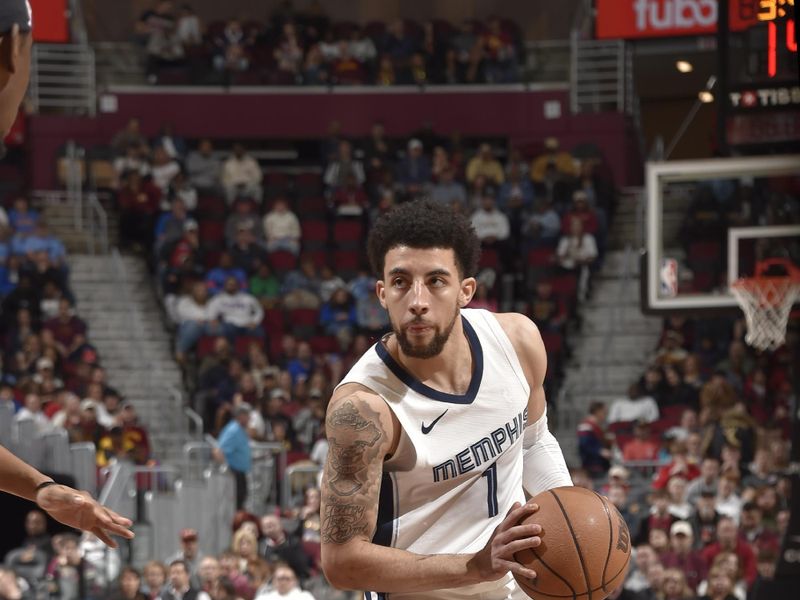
column 66, row 505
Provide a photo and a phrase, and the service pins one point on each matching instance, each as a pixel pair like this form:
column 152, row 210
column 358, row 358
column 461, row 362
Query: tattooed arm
column 362, row 431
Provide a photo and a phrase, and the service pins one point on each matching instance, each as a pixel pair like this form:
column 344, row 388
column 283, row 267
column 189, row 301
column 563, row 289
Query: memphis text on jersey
column 484, row 450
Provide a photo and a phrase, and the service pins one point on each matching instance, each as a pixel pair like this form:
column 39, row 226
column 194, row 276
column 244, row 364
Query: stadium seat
column 205, row 346
column 241, row 345
column 541, row 257
column 346, row 263
column 211, row 206
column 282, row 262
column 348, row 232
column 308, row 184
column 323, row 344
column 565, row 285
column 490, row 259
column 212, row 232
column 312, row 207
column 276, row 183
column 315, row 233
column 273, row 322
column 303, row 322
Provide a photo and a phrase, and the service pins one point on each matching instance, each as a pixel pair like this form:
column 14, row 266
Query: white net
column 766, row 302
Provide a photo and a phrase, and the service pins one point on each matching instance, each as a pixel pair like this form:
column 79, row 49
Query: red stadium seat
column 211, row 258
column 212, row 231
column 348, row 230
column 308, row 183
column 314, row 231
column 205, row 346
column 303, row 322
column 565, row 285
column 553, row 342
column 346, row 262
column 490, row 259
column 282, row 262
column 211, row 206
column 323, row 344
column 541, row 257
column 241, row 345
column 274, row 323
column 312, row 207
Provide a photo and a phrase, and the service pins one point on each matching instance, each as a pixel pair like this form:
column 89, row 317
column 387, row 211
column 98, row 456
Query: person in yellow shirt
column 565, row 163
column 484, row 163
column 114, row 445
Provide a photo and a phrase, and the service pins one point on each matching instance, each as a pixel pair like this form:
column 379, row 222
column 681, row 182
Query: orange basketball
column 585, row 547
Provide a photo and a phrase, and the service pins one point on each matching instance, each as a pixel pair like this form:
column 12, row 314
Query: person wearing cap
column 484, row 163
column 414, row 171
column 190, row 554
column 682, row 555
column 234, row 449
column 563, row 162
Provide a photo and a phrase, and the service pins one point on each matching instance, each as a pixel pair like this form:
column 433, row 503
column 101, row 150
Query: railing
column 306, row 471
column 98, row 225
column 546, row 61
column 63, row 79
column 598, row 79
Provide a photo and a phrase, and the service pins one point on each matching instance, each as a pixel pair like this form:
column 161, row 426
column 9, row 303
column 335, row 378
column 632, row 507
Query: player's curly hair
column 424, row 224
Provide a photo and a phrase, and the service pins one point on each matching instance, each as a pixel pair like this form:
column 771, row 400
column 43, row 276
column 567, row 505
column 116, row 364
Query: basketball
column 585, row 546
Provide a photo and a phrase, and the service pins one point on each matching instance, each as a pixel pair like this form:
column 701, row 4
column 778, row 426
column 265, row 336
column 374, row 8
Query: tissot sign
column 667, row 18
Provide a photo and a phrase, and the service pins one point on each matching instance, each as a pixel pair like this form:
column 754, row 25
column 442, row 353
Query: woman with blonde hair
column 245, row 547
column 720, row 585
column 727, row 563
column 674, row 586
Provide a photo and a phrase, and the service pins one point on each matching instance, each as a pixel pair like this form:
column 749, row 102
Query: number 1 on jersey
column 491, row 492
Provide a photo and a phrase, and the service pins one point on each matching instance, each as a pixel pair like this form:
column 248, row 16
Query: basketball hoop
column 767, row 301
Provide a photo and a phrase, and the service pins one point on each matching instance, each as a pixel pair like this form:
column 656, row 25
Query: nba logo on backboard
column 669, row 277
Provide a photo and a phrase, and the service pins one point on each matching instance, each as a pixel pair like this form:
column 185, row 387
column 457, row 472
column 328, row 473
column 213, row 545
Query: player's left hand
column 78, row 509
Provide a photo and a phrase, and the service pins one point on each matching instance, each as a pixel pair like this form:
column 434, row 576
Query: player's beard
column 432, row 348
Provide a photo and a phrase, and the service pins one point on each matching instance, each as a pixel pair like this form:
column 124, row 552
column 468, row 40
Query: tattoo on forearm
column 349, row 485
column 347, row 461
column 342, row 522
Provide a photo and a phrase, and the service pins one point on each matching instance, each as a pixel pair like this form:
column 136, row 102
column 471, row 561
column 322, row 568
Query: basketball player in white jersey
column 15, row 58
column 438, row 433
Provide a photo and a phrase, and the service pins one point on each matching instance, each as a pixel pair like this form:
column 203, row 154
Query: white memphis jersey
column 458, row 466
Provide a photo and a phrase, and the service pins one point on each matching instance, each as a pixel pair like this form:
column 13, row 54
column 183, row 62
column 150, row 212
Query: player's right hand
column 497, row 557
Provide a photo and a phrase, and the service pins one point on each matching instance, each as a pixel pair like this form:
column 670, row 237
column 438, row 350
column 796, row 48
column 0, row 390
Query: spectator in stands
column 642, row 447
column 753, row 530
column 265, row 286
column 760, row 471
column 338, row 317
column 577, row 251
column 594, row 444
column 231, row 48
column 189, row 29
column 277, row 545
column 170, row 225
column 492, row 226
column 134, row 160
column 378, row 151
column 500, row 56
column 728, row 540
column 288, row 55
column 635, row 407
column 580, row 209
column 225, row 269
column 130, row 136
column 68, row 330
column 163, row 170
column 705, row 518
column 157, row 27
column 139, row 201
column 350, row 200
column 414, row 171
column 643, row 557
column 484, row 163
column 209, row 574
column 563, row 162
column 303, row 364
column 32, row 411
column 130, row 584
column 179, row 584
column 66, row 573
column 182, row 188
column 203, row 168
column 728, row 501
column 676, row 392
column 190, row 554
column 234, row 450
column 194, row 320
column 286, row 586
column 36, row 534
column 343, row 165
column 464, row 55
column 155, row 578
column 247, row 253
column 101, row 564
column 239, row 313
column 181, row 260
column 315, row 70
column 13, row 587
column 449, row 191
column 680, row 465
column 682, row 555
column 282, row 228
column 114, row 447
column 301, row 286
column 706, row 482
column 542, row 227
column 516, row 191
column 371, row 318
column 242, row 176
column 22, row 218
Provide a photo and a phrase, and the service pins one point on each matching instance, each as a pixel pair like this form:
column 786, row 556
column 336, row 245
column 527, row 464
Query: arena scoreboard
column 763, row 90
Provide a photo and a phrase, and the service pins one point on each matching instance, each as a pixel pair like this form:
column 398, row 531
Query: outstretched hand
column 497, row 557
column 79, row 510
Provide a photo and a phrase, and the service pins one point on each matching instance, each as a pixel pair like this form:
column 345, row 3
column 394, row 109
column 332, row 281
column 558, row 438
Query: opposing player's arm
column 361, row 432
column 544, row 466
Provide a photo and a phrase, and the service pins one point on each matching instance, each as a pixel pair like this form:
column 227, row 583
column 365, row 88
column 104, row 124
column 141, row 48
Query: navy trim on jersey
column 415, row 384
column 384, row 532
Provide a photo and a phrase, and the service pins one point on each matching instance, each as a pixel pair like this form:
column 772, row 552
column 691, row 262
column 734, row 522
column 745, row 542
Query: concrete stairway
column 612, row 348
column 126, row 326
column 60, row 218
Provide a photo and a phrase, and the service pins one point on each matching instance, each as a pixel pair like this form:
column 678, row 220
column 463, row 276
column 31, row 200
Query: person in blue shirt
column 234, row 450
column 22, row 217
column 216, row 277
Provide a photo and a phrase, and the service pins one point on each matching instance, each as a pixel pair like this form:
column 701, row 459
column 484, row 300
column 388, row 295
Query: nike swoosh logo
column 426, row 429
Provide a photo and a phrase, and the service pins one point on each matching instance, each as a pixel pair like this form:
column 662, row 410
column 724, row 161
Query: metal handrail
column 286, row 492
column 97, row 230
